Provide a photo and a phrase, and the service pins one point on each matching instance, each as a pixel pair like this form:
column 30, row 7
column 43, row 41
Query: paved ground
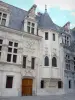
column 58, row 97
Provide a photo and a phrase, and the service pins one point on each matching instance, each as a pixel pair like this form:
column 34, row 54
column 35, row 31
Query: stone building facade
column 37, row 57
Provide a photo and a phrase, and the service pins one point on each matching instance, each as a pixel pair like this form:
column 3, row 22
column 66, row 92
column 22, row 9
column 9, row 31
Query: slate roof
column 46, row 22
column 17, row 19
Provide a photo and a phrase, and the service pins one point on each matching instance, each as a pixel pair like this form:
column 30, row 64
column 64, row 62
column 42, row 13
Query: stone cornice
column 21, row 33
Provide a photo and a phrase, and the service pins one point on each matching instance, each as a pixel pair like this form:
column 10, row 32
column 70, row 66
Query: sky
column 60, row 11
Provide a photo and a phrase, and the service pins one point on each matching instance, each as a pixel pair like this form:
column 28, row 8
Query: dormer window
column 3, row 17
column 66, row 40
column 30, row 27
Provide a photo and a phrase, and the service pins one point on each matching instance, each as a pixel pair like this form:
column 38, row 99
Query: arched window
column 54, row 62
column 46, row 62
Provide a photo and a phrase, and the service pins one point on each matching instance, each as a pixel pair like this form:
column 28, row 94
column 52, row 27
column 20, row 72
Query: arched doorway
column 27, row 86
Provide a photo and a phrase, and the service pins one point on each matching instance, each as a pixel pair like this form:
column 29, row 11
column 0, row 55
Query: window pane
column 28, row 29
column 46, row 35
column 9, row 57
column 74, row 58
column 32, row 31
column 69, row 83
column 42, row 83
column 53, row 37
column 15, row 50
column 15, row 44
column 9, row 81
column 1, row 41
column 0, row 48
column 46, row 62
column 14, row 58
column 0, row 54
column 24, row 62
column 28, row 23
column 9, row 49
column 60, row 84
column 3, row 22
column 4, row 15
column 0, row 19
column 32, row 63
column 0, row 14
column 54, row 62
column 10, row 43
column 33, row 24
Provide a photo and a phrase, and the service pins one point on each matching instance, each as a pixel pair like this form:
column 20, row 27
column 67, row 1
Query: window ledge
column 11, row 63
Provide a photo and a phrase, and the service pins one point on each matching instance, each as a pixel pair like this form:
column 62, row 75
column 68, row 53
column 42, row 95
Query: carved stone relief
column 30, row 45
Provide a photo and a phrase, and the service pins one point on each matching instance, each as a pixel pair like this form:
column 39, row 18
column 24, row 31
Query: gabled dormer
column 30, row 23
column 66, row 28
column 4, row 14
column 66, row 36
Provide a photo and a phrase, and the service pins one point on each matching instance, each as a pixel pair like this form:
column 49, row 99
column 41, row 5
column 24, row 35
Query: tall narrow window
column 30, row 27
column 46, row 62
column 69, row 83
column 32, row 63
column 1, row 41
column 9, row 81
column 24, row 61
column 42, row 83
column 53, row 37
column 46, row 35
column 74, row 63
column 3, row 18
column 54, row 62
column 67, row 40
column 67, row 61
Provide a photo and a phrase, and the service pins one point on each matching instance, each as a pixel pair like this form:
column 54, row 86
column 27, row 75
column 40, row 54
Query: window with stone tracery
column 67, row 61
column 1, row 41
column 30, row 27
column 12, row 52
column 3, row 18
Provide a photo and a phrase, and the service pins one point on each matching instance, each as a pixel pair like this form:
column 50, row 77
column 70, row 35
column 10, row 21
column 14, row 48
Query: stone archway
column 27, row 86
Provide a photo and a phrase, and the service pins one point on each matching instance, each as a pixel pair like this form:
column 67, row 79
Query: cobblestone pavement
column 51, row 97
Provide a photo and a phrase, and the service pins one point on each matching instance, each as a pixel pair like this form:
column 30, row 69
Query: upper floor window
column 66, row 40
column 46, row 62
column 1, row 41
column 46, row 35
column 12, row 52
column 30, row 27
column 67, row 59
column 54, row 62
column 53, row 37
column 74, row 63
column 3, row 17
column 32, row 63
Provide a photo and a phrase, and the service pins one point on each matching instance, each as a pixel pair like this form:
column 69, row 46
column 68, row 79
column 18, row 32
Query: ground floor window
column 9, row 81
column 60, row 84
column 42, row 83
column 69, row 84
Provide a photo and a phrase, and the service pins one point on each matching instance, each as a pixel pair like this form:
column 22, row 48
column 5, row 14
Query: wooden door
column 27, row 87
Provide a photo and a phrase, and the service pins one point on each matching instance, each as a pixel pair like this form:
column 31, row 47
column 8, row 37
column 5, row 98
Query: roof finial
column 45, row 8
